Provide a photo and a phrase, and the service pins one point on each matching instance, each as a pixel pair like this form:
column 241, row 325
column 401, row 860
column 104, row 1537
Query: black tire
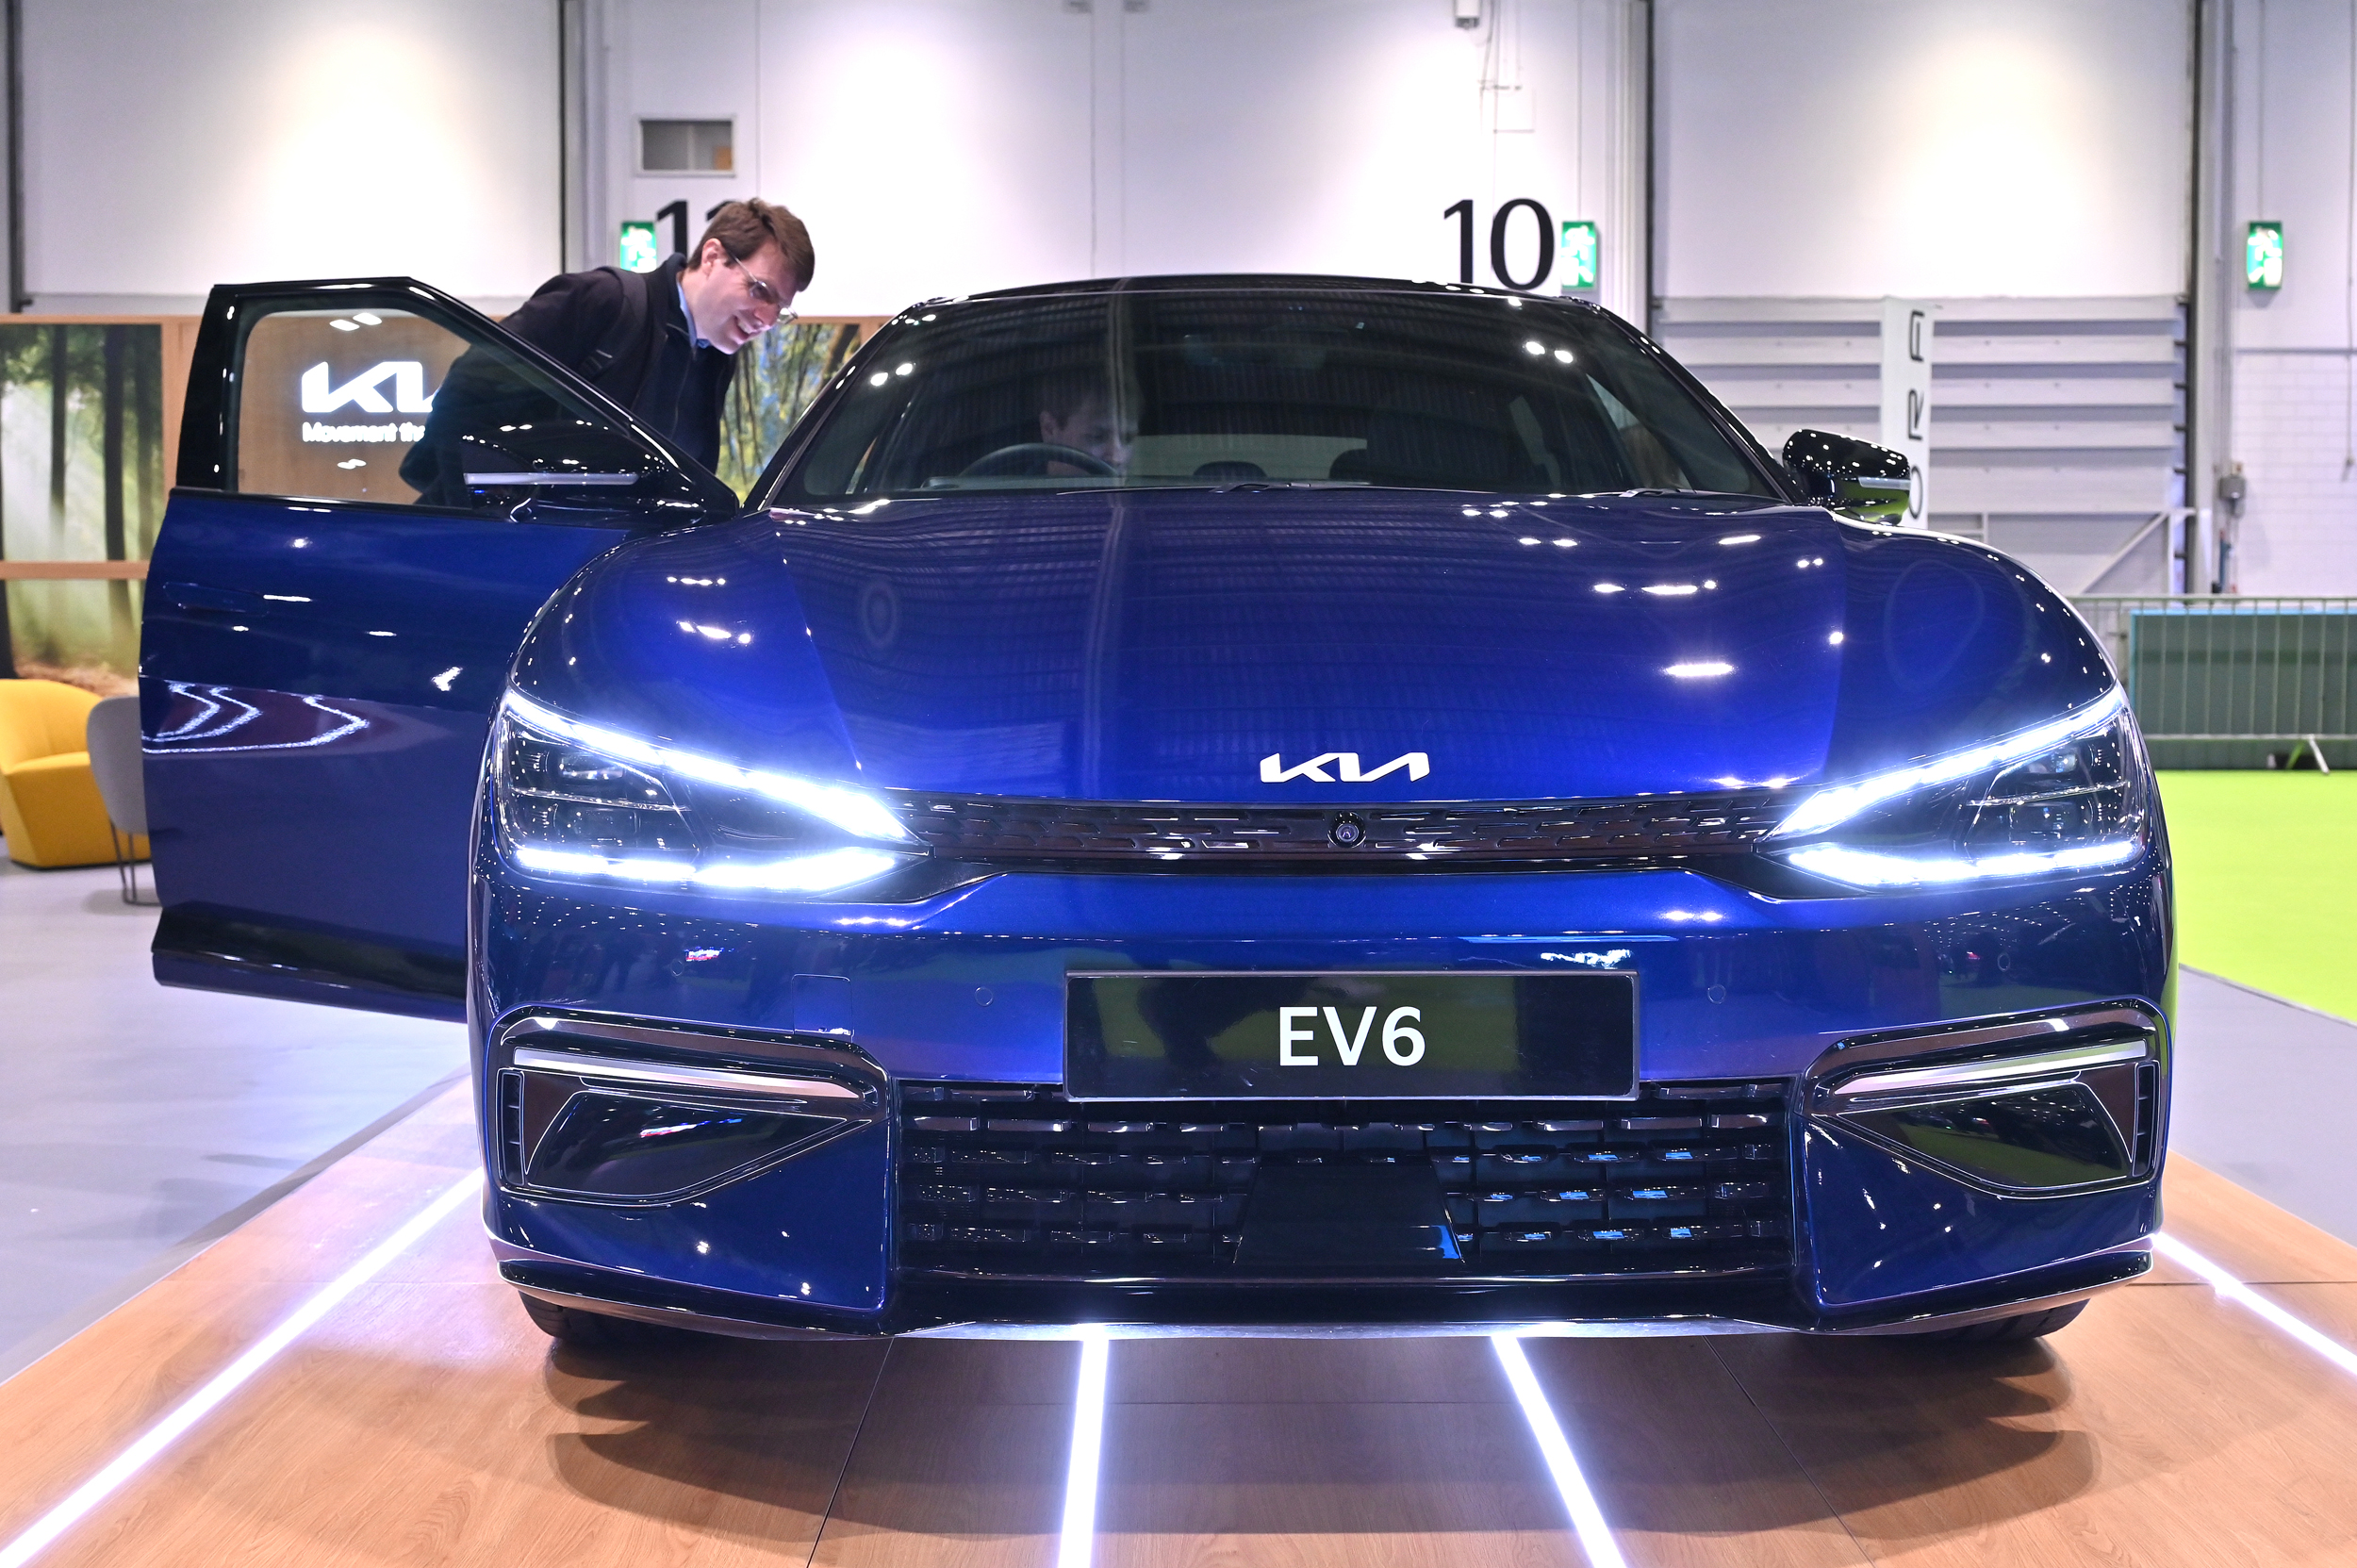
column 586, row 1329
column 2001, row 1330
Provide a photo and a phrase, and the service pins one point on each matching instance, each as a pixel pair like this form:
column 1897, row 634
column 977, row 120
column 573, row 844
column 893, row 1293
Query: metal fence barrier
column 2220, row 667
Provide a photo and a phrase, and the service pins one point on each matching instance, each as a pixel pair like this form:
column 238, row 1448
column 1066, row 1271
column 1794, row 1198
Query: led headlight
column 580, row 801
column 2069, row 794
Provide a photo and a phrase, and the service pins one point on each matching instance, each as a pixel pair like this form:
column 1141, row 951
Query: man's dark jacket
column 656, row 372
column 623, row 333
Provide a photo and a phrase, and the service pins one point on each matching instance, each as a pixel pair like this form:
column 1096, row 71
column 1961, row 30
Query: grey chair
column 116, row 763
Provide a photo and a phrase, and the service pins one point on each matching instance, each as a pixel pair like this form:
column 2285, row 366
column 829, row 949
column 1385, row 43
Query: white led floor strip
column 44, row 1531
column 2231, row 1289
column 1076, row 1542
column 1595, row 1536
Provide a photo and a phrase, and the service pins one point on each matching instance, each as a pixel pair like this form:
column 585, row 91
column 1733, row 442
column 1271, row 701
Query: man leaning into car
column 663, row 343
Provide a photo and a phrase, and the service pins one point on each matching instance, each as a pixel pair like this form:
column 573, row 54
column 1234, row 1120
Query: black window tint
column 1213, row 387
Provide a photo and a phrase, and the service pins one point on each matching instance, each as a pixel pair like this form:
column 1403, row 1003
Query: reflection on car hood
column 1167, row 645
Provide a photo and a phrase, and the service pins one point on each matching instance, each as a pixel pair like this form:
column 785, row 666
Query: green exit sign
column 2262, row 255
column 1577, row 255
column 638, row 254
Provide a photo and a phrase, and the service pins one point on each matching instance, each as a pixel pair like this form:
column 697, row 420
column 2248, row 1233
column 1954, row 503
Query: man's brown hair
column 743, row 227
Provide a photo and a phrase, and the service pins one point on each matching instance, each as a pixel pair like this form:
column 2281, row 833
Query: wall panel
column 1957, row 148
column 170, row 146
column 950, row 146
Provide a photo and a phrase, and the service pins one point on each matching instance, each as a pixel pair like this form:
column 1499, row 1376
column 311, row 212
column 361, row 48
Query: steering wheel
column 1032, row 458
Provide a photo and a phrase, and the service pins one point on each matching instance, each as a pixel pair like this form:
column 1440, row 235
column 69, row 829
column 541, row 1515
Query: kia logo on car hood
column 1346, row 770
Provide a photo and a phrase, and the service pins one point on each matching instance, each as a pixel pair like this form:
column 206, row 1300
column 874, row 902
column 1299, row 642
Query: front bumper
column 969, row 988
column 1295, row 1312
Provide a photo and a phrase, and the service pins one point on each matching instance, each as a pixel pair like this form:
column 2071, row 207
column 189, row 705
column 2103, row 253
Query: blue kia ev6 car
column 1248, row 804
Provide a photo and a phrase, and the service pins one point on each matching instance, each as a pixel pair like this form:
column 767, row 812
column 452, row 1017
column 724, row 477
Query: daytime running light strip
column 814, row 873
column 1076, row 1540
column 1829, row 808
column 2231, row 1289
column 1865, row 868
column 854, row 811
column 44, row 1531
column 1588, row 1521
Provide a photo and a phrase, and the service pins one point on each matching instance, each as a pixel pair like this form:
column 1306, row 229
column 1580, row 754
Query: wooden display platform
column 425, row 1421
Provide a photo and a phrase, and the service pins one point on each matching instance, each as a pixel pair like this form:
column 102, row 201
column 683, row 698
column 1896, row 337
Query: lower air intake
column 1015, row 1181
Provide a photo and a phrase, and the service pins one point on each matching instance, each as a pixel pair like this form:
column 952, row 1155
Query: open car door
column 378, row 489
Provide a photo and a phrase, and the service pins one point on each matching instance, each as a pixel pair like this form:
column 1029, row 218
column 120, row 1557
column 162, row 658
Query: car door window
column 374, row 403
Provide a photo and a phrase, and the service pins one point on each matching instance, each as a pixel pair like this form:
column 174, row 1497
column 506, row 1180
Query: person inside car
column 1076, row 413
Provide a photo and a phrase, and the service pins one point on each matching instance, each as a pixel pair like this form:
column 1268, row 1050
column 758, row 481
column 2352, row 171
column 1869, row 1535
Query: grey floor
column 2263, row 1095
column 136, row 1123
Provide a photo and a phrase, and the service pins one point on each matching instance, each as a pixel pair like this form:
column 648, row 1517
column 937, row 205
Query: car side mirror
column 1871, row 483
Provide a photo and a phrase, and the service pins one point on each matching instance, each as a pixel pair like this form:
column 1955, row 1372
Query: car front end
column 1056, row 899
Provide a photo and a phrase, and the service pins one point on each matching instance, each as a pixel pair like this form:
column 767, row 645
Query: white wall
column 1816, row 148
column 949, row 146
column 933, row 146
column 2295, row 373
column 173, row 144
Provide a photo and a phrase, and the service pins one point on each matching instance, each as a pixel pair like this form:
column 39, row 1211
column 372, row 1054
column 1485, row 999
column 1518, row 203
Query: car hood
column 1311, row 645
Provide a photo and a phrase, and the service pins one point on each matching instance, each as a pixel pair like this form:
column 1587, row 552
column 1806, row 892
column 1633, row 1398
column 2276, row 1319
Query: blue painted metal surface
column 1158, row 645
column 1794, row 976
column 310, row 775
column 1880, row 1227
column 810, row 1232
column 316, row 687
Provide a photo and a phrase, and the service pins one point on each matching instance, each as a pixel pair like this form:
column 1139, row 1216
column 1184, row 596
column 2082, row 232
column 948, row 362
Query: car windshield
column 1146, row 390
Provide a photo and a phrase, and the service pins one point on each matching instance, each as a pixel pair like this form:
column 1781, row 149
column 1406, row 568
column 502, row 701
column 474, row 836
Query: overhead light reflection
column 1588, row 1521
column 43, row 1532
column 1075, row 1537
column 2231, row 1289
column 1700, row 669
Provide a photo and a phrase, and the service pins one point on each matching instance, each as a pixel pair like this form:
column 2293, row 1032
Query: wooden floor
column 425, row 1421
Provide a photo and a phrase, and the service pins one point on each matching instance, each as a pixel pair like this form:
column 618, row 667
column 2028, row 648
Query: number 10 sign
column 1569, row 253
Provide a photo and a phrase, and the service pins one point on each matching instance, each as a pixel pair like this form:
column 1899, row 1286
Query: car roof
column 1322, row 283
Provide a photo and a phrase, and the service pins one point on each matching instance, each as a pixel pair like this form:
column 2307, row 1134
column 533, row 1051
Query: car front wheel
column 2025, row 1326
column 586, row 1329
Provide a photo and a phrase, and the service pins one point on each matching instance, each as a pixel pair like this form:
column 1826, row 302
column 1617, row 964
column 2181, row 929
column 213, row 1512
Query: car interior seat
column 1453, row 437
column 50, row 809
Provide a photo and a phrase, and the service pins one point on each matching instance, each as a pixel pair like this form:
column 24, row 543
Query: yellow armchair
column 49, row 805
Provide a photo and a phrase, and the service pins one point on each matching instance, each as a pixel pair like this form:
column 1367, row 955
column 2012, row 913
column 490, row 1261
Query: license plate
column 1378, row 1036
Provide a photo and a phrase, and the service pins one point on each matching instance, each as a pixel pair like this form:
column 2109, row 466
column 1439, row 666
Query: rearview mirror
column 1870, row 483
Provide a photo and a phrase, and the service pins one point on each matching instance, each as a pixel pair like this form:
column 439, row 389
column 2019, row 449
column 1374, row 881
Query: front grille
column 1639, row 831
column 1013, row 1180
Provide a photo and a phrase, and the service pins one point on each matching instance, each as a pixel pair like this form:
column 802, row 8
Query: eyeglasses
column 762, row 294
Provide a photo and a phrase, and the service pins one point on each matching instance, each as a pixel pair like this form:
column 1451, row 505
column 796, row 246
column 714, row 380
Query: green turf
column 2266, row 879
